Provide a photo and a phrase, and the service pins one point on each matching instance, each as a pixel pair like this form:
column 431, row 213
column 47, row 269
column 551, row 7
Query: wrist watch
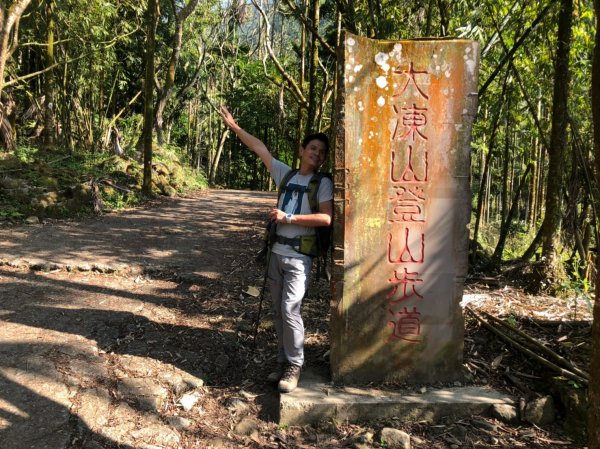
column 288, row 218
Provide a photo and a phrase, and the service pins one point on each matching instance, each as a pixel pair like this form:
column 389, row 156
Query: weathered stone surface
column 395, row 439
column 246, row 427
column 180, row 423
column 139, row 366
column 159, row 435
column 314, row 401
column 88, row 372
column 188, row 400
column 540, row 411
column 32, row 408
column 146, row 392
column 402, row 203
column 237, row 405
column 505, row 413
column 574, row 403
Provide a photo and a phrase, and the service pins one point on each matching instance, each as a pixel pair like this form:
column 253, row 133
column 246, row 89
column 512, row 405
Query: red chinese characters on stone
column 413, row 120
column 404, row 286
column 406, row 325
column 402, row 252
column 408, row 204
column 409, row 176
column 408, row 173
column 411, row 74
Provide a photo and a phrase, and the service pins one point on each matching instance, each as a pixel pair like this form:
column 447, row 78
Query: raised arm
column 248, row 139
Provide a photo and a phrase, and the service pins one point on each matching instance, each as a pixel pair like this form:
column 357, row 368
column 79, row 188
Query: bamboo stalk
column 563, row 372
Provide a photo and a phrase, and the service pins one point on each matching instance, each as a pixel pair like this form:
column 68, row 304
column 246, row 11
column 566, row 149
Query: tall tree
column 164, row 92
column 594, row 386
column 312, row 67
column 151, row 18
column 9, row 26
column 558, row 141
column 49, row 77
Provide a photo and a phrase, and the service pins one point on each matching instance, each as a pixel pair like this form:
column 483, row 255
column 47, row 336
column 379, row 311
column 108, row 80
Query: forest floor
column 134, row 330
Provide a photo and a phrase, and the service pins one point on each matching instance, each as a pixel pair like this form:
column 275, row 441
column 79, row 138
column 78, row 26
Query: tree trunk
column 49, row 78
column 505, row 228
column 558, row 142
column 8, row 19
column 594, row 386
column 151, row 19
column 312, row 69
column 483, row 187
column 212, row 175
column 165, row 92
column 301, row 78
column 505, row 195
column 444, row 17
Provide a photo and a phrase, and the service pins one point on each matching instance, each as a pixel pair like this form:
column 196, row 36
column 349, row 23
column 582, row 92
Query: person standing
column 289, row 270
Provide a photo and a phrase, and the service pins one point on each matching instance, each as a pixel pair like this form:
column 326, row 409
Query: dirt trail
column 134, row 331
column 91, row 358
column 195, row 234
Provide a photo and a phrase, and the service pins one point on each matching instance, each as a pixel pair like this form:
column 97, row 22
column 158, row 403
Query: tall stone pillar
column 402, row 205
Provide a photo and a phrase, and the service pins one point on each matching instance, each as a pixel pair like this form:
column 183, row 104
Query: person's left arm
column 322, row 218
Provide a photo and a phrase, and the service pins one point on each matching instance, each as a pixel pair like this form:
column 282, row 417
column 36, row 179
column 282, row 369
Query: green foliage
column 57, row 183
column 575, row 384
column 25, row 153
column 577, row 286
column 113, row 199
column 511, row 320
column 11, row 213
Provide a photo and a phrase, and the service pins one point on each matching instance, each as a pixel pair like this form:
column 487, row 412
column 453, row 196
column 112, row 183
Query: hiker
column 289, row 270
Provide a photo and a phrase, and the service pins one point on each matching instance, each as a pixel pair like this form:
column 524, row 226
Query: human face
column 313, row 155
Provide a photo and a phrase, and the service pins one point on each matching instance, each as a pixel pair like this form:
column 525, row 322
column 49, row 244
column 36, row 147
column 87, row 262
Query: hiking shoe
column 289, row 379
column 276, row 375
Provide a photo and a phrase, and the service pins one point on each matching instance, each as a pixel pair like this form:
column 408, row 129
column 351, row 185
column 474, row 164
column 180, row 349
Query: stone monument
column 402, row 205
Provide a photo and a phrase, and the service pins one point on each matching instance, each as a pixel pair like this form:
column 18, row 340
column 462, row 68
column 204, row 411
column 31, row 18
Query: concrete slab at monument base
column 316, row 400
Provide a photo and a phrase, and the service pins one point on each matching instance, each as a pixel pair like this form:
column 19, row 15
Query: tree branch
column 515, row 47
column 39, row 72
column 562, row 371
column 310, row 27
column 293, row 86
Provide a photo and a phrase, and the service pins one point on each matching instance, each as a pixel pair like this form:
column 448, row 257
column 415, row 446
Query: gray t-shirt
column 296, row 203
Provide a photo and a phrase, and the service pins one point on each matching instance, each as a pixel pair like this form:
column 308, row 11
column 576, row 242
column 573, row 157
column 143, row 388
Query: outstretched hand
column 227, row 117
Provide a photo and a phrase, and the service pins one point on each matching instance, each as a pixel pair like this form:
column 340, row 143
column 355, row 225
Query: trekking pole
column 270, row 241
column 262, row 297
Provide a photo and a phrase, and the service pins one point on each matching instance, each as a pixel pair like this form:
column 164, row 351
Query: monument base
column 316, row 400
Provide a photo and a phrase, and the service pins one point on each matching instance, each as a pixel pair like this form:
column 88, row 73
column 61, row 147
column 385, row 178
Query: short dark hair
column 316, row 136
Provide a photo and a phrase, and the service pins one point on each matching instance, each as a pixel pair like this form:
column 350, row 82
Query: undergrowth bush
column 59, row 183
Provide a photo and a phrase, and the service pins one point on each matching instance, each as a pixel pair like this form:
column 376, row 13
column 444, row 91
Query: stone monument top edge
column 417, row 39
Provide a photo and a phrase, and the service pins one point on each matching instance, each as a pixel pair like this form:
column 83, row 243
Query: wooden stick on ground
column 537, row 345
column 563, row 372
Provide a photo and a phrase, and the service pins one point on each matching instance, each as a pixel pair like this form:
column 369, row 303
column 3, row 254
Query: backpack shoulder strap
column 313, row 190
column 284, row 182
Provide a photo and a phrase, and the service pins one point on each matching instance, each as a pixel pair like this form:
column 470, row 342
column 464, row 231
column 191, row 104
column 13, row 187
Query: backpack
column 319, row 244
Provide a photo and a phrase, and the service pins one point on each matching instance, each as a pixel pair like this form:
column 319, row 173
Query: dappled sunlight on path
column 92, row 360
column 186, row 234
